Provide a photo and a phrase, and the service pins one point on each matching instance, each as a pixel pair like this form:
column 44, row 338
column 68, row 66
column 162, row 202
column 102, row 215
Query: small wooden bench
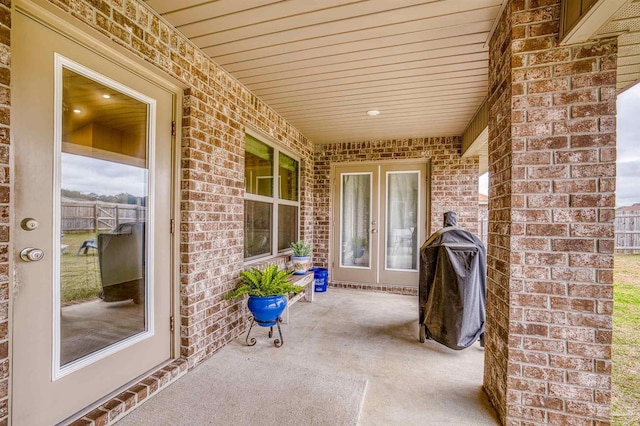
column 308, row 282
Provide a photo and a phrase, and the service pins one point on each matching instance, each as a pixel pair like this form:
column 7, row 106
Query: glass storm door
column 92, row 240
column 381, row 213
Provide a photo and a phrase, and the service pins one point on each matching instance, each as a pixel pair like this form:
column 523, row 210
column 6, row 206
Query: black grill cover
column 452, row 292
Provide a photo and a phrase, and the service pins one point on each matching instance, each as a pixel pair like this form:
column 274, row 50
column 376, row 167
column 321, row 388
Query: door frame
column 92, row 40
column 335, row 198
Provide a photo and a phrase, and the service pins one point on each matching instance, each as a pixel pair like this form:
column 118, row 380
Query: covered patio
column 311, row 92
column 367, row 337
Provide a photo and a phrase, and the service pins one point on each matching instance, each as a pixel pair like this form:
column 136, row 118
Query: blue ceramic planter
column 266, row 310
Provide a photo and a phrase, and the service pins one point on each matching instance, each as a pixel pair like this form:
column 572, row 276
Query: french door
column 379, row 222
column 92, row 239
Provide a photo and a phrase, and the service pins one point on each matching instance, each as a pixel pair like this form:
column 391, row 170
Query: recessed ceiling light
column 373, row 112
column 106, row 96
column 77, row 111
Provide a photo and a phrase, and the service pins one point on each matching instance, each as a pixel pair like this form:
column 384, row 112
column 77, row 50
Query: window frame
column 275, row 201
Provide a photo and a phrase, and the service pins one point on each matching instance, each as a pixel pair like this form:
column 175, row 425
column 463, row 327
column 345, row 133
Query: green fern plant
column 301, row 249
column 270, row 282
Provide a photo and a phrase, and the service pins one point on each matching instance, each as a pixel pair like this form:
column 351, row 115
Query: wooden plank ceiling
column 323, row 64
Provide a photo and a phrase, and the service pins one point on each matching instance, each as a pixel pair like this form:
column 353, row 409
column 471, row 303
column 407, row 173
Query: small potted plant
column 301, row 257
column 267, row 290
column 359, row 245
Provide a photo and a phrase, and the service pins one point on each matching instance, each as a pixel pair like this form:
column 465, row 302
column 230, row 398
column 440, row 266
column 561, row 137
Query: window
column 271, row 202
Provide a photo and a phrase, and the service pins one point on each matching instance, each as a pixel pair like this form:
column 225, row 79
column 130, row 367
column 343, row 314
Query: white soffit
column 594, row 18
column 626, row 23
column 323, row 64
column 614, row 18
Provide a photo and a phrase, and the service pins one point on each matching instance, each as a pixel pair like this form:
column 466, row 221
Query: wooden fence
column 627, row 232
column 483, row 230
column 96, row 216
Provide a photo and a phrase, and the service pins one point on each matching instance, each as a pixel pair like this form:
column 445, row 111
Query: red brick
column 588, row 409
column 577, row 67
column 573, row 245
column 594, row 80
column 598, row 140
column 570, row 420
column 550, row 56
column 575, row 97
column 544, row 28
column 575, row 186
column 530, row 101
column 547, row 230
column 576, row 156
column 530, row 329
column 99, row 417
column 586, row 319
column 569, row 392
column 541, row 401
column 594, row 50
column 571, row 363
column 536, row 244
column 593, row 110
column 527, row 74
column 531, row 386
column 548, row 86
column 584, row 125
column 549, row 201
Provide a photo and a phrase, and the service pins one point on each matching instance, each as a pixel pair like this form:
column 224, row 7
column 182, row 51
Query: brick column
column 552, row 153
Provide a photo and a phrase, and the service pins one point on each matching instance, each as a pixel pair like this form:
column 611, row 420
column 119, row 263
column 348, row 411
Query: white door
column 379, row 222
column 92, row 243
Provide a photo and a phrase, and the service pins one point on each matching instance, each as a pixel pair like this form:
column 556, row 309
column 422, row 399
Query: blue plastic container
column 321, row 278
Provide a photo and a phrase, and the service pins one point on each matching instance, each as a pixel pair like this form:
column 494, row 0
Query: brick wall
column 499, row 243
column 454, row 180
column 216, row 109
column 552, row 160
column 5, row 203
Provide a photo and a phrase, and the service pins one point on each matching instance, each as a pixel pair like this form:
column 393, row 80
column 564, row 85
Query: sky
column 628, row 121
column 628, row 182
column 87, row 175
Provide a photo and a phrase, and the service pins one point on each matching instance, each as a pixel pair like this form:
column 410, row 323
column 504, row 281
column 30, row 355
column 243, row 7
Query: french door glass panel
column 401, row 248
column 356, row 215
column 104, row 193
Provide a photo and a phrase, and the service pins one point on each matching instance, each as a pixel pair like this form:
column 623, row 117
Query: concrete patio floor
column 374, row 335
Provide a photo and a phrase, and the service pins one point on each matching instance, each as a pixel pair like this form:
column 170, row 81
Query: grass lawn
column 80, row 275
column 625, row 402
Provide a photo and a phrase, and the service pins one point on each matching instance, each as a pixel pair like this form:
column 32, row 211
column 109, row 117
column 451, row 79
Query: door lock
column 29, row 224
column 31, row 254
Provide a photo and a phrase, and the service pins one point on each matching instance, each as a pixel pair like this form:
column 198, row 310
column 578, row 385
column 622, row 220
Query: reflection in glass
column 288, row 177
column 356, row 211
column 258, row 167
column 402, row 213
column 287, row 226
column 104, row 194
column 257, row 228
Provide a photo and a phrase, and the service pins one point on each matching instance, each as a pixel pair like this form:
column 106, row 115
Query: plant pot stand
column 277, row 342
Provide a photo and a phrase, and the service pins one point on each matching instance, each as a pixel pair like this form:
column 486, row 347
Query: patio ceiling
column 323, row 64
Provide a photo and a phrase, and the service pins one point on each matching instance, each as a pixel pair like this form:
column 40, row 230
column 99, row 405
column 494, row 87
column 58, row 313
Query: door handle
column 373, row 231
column 31, row 254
